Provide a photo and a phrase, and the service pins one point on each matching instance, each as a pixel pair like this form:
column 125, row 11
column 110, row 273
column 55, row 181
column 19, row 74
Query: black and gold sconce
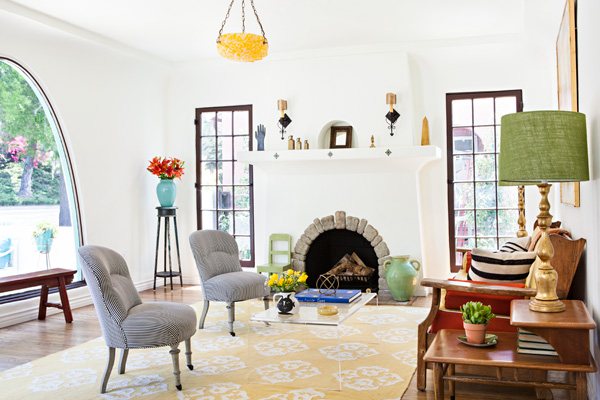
column 392, row 116
column 284, row 121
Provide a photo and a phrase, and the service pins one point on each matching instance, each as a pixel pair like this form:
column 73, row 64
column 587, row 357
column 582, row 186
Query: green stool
column 273, row 267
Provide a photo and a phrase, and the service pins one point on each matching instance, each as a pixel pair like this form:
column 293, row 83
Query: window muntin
column 224, row 188
column 482, row 214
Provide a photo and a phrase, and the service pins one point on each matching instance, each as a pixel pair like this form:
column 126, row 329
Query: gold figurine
column 306, row 145
column 291, row 143
column 299, row 144
column 372, row 146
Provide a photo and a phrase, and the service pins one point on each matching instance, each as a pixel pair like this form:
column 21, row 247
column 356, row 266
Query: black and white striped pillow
column 516, row 244
column 500, row 267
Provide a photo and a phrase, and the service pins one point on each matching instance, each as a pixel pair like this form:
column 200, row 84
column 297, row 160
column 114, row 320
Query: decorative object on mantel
column 298, row 144
column 539, row 147
column 245, row 47
column 393, row 115
column 340, row 137
column 260, row 134
column 330, row 154
column 388, row 152
column 306, row 145
column 284, row 121
column 276, row 156
column 425, row 133
column 291, row 145
column 167, row 170
column 402, row 276
column 372, row 146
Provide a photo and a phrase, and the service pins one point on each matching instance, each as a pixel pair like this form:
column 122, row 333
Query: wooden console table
column 568, row 332
column 55, row 277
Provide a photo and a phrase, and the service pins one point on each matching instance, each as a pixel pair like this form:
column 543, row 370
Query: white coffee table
column 308, row 315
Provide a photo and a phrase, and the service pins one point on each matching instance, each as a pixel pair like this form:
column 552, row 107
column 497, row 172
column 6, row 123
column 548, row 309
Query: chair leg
column 231, row 315
column 204, row 312
column 123, row 361
column 175, row 358
column 188, row 353
column 109, row 365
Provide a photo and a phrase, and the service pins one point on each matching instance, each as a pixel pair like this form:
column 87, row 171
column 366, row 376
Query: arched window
column 40, row 224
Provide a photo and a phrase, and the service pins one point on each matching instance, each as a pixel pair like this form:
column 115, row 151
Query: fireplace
column 328, row 239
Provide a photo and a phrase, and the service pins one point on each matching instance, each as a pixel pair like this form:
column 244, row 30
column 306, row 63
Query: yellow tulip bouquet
column 288, row 281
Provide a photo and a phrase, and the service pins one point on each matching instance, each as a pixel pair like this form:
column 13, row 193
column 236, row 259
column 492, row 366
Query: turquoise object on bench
column 6, row 250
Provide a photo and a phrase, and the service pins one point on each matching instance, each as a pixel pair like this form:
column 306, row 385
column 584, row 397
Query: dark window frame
column 450, row 157
column 198, row 122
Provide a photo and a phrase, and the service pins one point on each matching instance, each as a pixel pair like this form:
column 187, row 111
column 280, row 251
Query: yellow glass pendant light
column 244, row 47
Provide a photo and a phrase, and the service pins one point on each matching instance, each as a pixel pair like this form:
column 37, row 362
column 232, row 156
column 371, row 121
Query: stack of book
column 530, row 343
column 340, row 296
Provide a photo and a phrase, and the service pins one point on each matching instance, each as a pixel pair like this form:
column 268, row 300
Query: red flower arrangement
column 167, row 168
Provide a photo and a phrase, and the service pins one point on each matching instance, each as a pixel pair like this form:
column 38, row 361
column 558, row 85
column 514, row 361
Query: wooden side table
column 567, row 332
column 165, row 213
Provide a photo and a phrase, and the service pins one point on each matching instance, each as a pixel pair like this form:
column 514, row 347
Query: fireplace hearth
column 328, row 239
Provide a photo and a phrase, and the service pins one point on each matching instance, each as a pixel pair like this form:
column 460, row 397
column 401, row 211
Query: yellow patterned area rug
column 276, row 362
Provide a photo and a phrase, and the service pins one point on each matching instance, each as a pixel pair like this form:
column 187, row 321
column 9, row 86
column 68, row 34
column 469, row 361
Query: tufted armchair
column 126, row 322
column 221, row 275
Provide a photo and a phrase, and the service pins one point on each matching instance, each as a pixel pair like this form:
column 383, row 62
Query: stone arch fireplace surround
column 341, row 221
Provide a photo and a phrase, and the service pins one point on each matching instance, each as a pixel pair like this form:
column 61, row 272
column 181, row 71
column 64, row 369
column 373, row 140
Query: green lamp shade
column 543, row 146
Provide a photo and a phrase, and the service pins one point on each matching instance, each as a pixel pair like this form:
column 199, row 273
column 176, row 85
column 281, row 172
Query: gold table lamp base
column 546, row 299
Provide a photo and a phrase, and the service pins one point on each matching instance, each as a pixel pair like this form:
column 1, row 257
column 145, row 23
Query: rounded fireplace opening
column 330, row 246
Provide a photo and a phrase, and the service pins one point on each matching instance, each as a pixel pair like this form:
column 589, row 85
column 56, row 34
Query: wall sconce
column 393, row 115
column 284, row 121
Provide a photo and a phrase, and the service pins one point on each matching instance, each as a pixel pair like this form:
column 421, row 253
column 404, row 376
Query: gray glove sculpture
column 259, row 134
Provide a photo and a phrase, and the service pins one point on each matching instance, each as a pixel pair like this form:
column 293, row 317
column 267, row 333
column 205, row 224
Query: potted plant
column 475, row 319
column 285, row 286
column 167, row 170
column 43, row 235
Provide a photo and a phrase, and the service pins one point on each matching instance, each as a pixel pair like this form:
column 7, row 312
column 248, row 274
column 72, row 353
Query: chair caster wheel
column 232, row 333
column 178, row 387
column 191, row 367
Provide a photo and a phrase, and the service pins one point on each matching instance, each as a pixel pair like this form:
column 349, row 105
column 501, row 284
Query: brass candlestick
column 521, row 221
column 546, row 299
column 372, row 146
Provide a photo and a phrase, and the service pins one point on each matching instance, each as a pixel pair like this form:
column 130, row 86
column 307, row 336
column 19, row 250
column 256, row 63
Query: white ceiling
column 183, row 30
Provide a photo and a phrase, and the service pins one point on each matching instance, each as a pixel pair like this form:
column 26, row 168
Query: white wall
column 111, row 106
column 352, row 88
column 585, row 220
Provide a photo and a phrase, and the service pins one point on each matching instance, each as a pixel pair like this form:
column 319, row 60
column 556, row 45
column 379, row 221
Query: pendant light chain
column 224, row 21
column 243, row 17
column 259, row 23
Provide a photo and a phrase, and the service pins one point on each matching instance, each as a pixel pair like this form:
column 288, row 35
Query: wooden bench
column 55, row 277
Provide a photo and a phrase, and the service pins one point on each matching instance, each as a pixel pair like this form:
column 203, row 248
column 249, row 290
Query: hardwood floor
column 35, row 339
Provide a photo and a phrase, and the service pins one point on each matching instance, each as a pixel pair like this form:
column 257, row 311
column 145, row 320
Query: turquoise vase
column 166, row 190
column 402, row 276
column 44, row 241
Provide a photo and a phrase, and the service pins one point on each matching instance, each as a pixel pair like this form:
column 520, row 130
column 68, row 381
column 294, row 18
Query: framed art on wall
column 566, row 65
column 341, row 137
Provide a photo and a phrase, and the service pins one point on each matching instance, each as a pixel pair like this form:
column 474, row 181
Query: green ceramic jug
column 402, row 276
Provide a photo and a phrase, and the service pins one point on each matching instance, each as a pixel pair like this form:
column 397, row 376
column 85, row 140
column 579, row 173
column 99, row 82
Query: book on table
column 340, row 296
column 530, row 343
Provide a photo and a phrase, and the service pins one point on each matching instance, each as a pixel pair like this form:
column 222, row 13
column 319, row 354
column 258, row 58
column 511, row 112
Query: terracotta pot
column 475, row 332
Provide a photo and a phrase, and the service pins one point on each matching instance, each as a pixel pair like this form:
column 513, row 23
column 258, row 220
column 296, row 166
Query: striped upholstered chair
column 217, row 258
column 126, row 322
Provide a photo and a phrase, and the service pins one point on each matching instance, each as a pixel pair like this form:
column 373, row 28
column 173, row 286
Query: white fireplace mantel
column 366, row 160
